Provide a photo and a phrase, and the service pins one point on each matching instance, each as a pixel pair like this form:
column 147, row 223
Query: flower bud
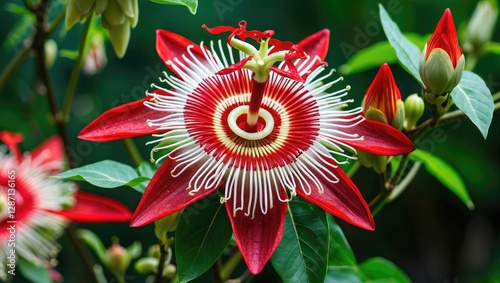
column 377, row 162
column 120, row 36
column 166, row 224
column 95, row 59
column 481, row 25
column 50, row 48
column 146, row 265
column 169, row 271
column 117, row 259
column 383, row 99
column 414, row 109
column 442, row 61
column 77, row 10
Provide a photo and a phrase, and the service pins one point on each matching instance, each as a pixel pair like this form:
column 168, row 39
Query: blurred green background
column 428, row 232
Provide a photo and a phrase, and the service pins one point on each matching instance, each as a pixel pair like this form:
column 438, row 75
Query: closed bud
column 383, row 99
column 166, row 224
column 414, row 109
column 442, row 61
column 50, row 48
column 146, row 265
column 120, row 36
column 481, row 24
column 169, row 271
column 95, row 59
column 117, row 259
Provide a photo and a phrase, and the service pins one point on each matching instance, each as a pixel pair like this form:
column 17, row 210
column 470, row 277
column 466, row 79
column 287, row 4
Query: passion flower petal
column 342, row 199
column 93, row 208
column 257, row 236
column 49, row 155
column 379, row 138
column 125, row 121
column 166, row 194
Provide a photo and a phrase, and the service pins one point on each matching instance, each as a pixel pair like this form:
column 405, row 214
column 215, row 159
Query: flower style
column 37, row 208
column 442, row 61
column 259, row 133
column 383, row 99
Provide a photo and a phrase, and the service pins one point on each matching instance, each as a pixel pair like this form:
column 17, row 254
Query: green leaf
column 377, row 54
column 340, row 253
column 381, row 270
column 104, row 174
column 444, row 173
column 201, row 237
column 302, row 255
column 145, row 169
column 342, row 274
column 191, row 4
column 94, row 242
column 473, row 97
column 407, row 52
column 34, row 273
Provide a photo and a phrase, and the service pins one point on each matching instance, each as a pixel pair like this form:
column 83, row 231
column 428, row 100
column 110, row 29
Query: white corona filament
column 251, row 186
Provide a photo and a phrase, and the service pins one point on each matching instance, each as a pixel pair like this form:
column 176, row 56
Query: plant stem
column 133, row 151
column 163, row 257
column 230, row 264
column 354, row 168
column 217, row 271
column 75, row 73
column 14, row 64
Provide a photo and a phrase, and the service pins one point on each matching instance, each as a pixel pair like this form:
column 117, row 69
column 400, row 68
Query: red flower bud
column 442, row 61
column 382, row 97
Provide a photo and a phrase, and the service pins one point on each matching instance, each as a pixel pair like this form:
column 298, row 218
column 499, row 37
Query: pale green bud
column 481, row 25
column 146, row 265
column 114, row 14
column 100, row 6
column 437, row 72
column 120, row 36
column 50, row 48
column 169, row 271
column 73, row 15
column 376, row 162
column 84, row 6
column 166, row 224
column 414, row 109
column 399, row 118
column 117, row 259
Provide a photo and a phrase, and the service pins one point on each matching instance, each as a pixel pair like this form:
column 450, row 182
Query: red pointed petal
column 258, row 237
column 170, row 45
column 11, row 140
column 316, row 44
column 49, row 154
column 125, row 121
column 166, row 194
column 93, row 208
column 379, row 138
column 342, row 199
column 445, row 37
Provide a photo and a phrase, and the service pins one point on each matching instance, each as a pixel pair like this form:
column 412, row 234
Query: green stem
column 133, row 151
column 14, row 64
column 354, row 168
column 75, row 73
column 230, row 265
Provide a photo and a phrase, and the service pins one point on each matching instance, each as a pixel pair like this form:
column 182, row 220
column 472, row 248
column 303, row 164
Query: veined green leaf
column 375, row 55
column 473, row 97
column 377, row 269
column 302, row 255
column 202, row 235
column 191, row 4
column 341, row 274
column 444, row 173
column 407, row 52
column 340, row 252
column 104, row 174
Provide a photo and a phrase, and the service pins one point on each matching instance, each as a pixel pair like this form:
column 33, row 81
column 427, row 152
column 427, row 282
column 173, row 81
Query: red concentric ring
column 294, row 110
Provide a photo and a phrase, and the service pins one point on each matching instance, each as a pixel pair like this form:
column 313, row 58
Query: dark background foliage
column 428, row 232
